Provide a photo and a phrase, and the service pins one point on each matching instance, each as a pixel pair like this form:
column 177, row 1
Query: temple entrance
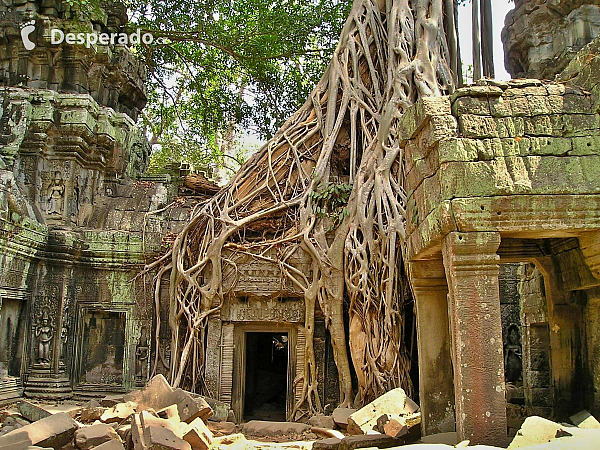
column 265, row 393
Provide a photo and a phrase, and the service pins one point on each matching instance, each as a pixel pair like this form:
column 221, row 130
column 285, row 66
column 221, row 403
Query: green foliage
column 220, row 67
column 330, row 200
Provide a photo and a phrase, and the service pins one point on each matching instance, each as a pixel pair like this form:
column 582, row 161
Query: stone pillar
column 436, row 384
column 471, row 266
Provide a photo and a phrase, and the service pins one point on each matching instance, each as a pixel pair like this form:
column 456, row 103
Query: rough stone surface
column 340, row 416
column 32, row 412
column 392, row 402
column 198, row 435
column 265, row 428
column 322, row 421
column 584, row 419
column 327, row 444
column 158, row 438
column 110, row 445
column 541, row 37
column 94, row 435
column 119, row 412
column 369, row 440
column 53, row 431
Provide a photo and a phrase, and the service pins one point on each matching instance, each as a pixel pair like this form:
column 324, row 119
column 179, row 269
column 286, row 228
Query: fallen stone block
column 399, row 426
column 158, row 438
column 32, row 412
column 370, row 440
column 15, row 440
column 391, row 427
column 124, row 432
column 110, row 445
column 111, row 400
column 327, row 444
column 90, row 413
column 322, row 421
column 119, row 412
column 137, row 433
column 53, row 431
column 94, row 435
column 583, row 419
column 191, row 407
column 198, row 435
column 148, row 420
column 221, row 411
column 327, row 432
column 169, row 413
column 537, row 430
column 221, row 428
column 233, row 441
column 157, row 395
column 393, row 402
column 266, row 428
column 340, row 416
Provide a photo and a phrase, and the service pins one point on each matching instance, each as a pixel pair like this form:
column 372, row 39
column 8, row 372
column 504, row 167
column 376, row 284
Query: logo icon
column 25, row 33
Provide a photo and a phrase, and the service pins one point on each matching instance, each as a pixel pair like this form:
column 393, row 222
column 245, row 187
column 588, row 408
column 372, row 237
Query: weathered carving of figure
column 55, row 195
column 44, row 335
column 64, row 337
column 142, row 354
column 513, row 365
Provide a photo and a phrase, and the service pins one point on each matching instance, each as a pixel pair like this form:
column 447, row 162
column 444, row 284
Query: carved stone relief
column 252, row 309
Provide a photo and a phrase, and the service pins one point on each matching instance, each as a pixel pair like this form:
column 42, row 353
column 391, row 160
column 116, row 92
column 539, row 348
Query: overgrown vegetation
column 389, row 55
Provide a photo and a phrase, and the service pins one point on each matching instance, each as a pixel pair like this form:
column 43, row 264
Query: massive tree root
column 389, row 54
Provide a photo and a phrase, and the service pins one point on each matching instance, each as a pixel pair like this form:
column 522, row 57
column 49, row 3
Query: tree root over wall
column 389, row 54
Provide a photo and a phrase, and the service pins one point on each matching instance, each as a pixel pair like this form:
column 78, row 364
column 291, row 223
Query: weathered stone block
column 32, row 412
column 190, row 407
column 392, row 402
column 340, row 416
column 119, row 412
column 198, row 435
column 110, row 445
column 583, row 419
column 157, row 395
column 53, row 431
column 369, row 440
column 94, row 435
column 327, row 444
column 158, row 438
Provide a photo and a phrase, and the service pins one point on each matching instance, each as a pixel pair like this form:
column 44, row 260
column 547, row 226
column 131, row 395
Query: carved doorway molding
column 239, row 362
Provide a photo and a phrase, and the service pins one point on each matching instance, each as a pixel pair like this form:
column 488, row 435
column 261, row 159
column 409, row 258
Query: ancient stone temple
column 502, row 236
column 75, row 225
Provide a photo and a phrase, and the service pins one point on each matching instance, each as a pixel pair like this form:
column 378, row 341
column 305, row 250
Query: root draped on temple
column 282, row 203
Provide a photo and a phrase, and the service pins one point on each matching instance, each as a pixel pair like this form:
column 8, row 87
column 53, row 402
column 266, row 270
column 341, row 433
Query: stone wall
column 540, row 37
column 109, row 73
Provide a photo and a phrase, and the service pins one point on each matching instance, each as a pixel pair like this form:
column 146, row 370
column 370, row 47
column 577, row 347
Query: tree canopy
column 225, row 65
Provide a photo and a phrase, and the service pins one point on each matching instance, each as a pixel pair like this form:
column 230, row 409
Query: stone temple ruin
column 503, row 241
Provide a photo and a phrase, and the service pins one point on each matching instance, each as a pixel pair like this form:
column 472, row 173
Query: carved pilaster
column 212, row 371
column 471, row 265
column 436, row 384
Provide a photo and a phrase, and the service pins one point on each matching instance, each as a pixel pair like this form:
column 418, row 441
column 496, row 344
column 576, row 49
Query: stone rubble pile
column 159, row 417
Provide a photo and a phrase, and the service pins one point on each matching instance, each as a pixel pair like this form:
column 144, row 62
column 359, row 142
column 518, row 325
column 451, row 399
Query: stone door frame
column 239, row 362
column 128, row 354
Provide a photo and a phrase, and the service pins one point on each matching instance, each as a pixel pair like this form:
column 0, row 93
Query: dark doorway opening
column 266, row 376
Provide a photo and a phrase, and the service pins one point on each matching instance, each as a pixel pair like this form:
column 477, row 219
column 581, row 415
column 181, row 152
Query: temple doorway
column 265, row 387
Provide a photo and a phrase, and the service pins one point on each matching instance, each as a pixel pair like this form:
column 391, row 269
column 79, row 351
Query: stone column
column 471, row 266
column 436, row 384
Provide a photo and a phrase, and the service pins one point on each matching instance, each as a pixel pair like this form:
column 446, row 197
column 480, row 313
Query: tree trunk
column 487, row 38
column 476, row 40
column 389, row 55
